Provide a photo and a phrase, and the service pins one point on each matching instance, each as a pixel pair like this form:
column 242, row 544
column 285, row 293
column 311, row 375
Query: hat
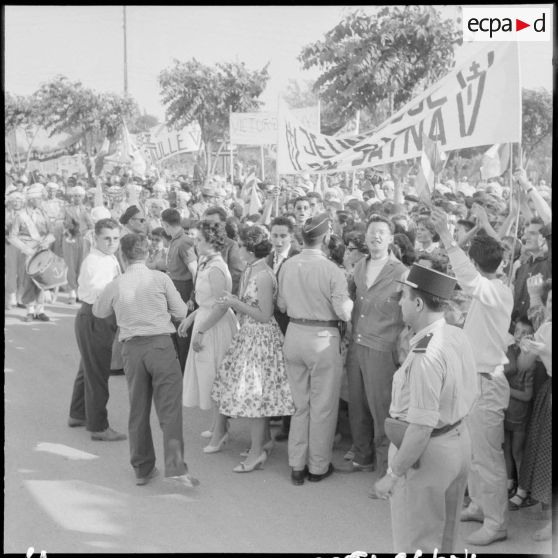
column 430, row 281
column 100, row 212
column 52, row 186
column 77, row 191
column 35, row 190
column 114, row 191
column 316, row 226
column 129, row 213
column 411, row 198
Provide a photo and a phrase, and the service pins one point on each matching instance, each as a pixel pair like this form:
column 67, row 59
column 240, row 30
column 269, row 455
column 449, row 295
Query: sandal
column 524, row 502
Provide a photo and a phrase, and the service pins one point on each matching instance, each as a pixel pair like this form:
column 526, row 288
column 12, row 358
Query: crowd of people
column 434, row 314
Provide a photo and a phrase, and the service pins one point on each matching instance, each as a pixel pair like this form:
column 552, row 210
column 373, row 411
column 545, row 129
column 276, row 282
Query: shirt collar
column 136, row 265
column 434, row 326
column 178, row 234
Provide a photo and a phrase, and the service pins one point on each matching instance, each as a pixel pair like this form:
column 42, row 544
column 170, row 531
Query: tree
column 67, row 106
column 192, row 92
column 143, row 123
column 380, row 62
column 536, row 120
column 21, row 112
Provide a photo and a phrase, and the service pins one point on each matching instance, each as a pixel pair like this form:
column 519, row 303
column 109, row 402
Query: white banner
column 163, row 143
column 260, row 128
column 477, row 104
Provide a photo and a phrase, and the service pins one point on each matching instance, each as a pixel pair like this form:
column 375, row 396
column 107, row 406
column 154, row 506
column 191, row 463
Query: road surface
column 65, row 493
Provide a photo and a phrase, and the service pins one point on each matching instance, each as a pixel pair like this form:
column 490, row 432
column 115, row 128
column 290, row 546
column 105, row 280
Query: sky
column 85, row 43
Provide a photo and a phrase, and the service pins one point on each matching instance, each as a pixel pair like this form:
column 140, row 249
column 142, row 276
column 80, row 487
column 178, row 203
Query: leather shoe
column 108, row 435
column 142, row 481
column 469, row 515
column 281, row 436
column 317, row 478
column 186, row 480
column 42, row 317
column 354, row 467
column 484, row 536
column 20, row 305
column 76, row 422
column 297, row 477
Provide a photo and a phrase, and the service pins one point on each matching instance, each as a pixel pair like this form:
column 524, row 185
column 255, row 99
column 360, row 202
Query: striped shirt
column 143, row 300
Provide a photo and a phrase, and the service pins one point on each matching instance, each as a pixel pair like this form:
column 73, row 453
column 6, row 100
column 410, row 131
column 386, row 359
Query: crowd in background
column 230, row 280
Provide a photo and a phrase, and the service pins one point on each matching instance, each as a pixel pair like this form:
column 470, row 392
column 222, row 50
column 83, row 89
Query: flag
column 99, row 160
column 431, row 163
column 255, row 203
column 132, row 153
column 246, row 191
column 495, row 161
column 266, row 214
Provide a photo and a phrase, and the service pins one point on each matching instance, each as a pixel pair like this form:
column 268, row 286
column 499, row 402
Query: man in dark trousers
column 282, row 239
column 181, row 267
column 144, row 300
column 95, row 336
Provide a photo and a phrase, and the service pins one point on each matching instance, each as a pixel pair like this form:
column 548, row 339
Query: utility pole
column 125, row 55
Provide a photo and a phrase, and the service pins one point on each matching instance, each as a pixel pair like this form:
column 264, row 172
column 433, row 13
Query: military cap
column 430, row 281
column 316, row 226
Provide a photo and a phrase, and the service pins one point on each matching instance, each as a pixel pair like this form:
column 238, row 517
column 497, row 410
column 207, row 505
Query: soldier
column 313, row 292
column 433, row 391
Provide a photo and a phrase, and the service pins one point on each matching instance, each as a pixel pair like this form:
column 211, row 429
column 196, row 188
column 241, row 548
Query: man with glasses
column 95, row 337
column 371, row 359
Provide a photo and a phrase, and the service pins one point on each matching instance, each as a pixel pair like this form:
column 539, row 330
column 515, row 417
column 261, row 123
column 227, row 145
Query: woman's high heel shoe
column 218, row 447
column 207, row 434
column 267, row 447
column 258, row 464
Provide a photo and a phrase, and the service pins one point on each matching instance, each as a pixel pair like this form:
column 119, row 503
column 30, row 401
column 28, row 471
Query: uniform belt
column 444, row 429
column 316, row 323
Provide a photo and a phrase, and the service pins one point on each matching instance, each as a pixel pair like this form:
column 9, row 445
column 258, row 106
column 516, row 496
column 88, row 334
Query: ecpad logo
column 507, row 24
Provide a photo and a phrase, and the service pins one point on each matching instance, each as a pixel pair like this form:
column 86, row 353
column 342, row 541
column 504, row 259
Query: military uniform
column 435, row 388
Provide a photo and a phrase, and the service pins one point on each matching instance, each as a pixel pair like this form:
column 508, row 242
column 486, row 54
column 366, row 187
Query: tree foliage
column 368, row 62
column 194, row 92
column 536, row 119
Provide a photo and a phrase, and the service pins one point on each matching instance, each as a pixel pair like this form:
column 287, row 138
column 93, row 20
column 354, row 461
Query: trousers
column 314, row 369
column 426, row 503
column 182, row 344
column 370, row 375
column 90, row 395
column 488, row 488
column 153, row 374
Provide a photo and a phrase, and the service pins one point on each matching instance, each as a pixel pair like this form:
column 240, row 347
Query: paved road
column 67, row 493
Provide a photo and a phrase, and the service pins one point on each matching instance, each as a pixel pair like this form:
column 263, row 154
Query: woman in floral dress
column 252, row 381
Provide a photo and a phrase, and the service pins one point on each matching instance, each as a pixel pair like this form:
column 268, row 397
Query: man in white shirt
column 95, row 337
column 486, row 325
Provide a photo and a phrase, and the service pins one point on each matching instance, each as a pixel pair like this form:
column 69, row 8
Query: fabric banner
column 162, row 143
column 260, row 128
column 478, row 103
column 495, row 161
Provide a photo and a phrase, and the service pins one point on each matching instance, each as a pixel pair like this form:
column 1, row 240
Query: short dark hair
column 301, row 198
column 216, row 210
column 375, row 218
column 314, row 195
column 336, row 247
column 171, row 216
column 406, row 248
column 486, row 252
column 105, row 224
column 439, row 263
column 428, row 224
column 466, row 224
column 160, row 233
column 232, row 227
column 255, row 241
column 282, row 221
column 134, row 246
column 432, row 302
column 357, row 238
column 214, row 234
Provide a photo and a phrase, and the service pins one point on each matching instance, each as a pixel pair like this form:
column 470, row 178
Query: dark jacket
column 532, row 266
column 281, row 318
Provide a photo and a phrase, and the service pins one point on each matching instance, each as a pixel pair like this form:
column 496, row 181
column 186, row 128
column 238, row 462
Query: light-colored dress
column 201, row 367
column 252, row 379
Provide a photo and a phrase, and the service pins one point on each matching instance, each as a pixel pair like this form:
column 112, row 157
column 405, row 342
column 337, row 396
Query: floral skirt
column 252, row 379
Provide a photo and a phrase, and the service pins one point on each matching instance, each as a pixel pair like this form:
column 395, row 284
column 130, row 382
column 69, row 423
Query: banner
column 478, row 103
column 163, row 143
column 495, row 161
column 260, row 128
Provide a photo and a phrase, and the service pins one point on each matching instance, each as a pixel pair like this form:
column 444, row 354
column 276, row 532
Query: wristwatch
column 392, row 474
